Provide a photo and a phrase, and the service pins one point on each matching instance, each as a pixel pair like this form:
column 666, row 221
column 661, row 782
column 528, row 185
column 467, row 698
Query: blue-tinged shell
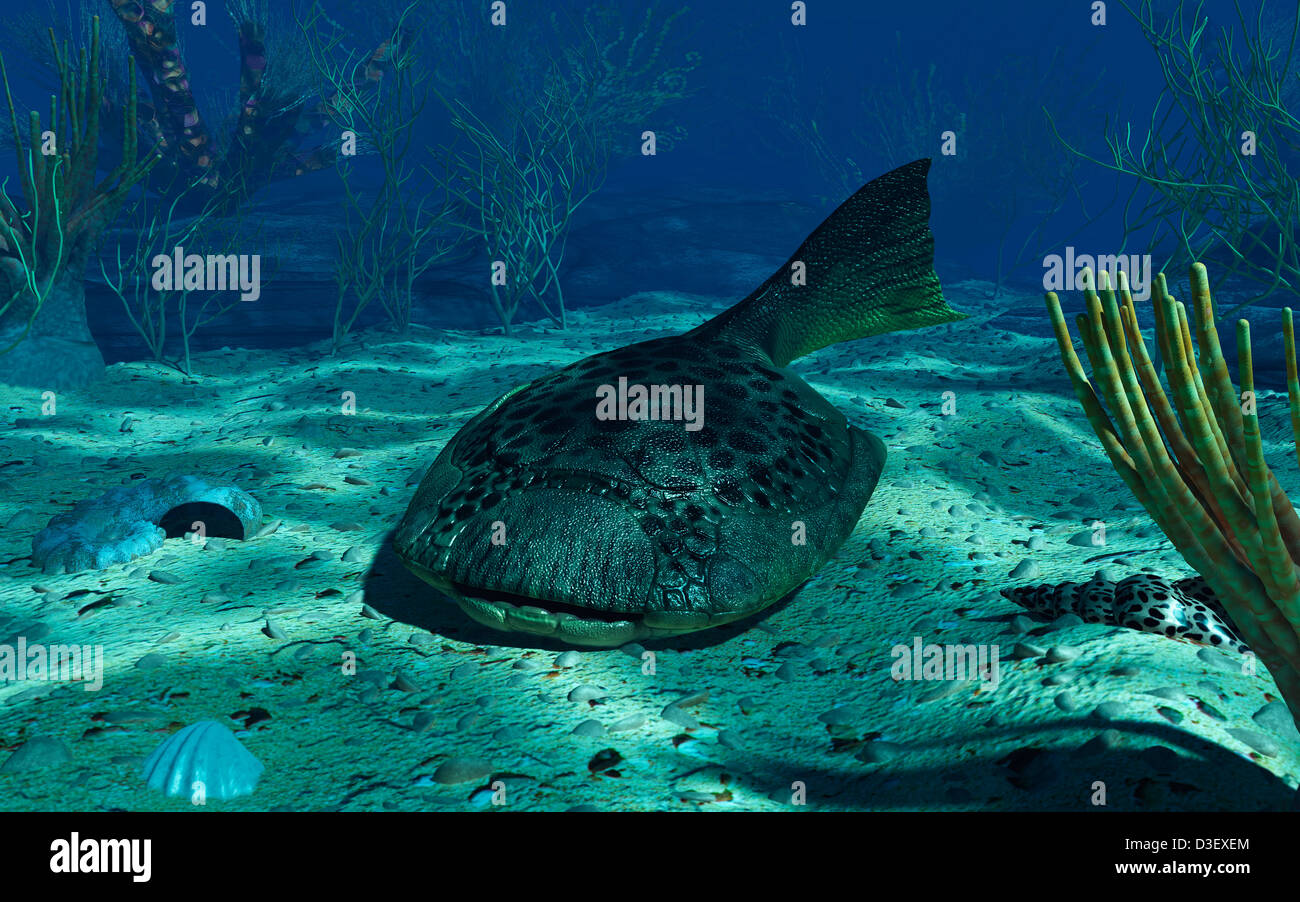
column 207, row 753
column 124, row 523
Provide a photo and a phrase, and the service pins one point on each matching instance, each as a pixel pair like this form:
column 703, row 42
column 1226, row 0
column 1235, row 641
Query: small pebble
column 1169, row 694
column 676, row 715
column 1102, row 742
column 36, row 753
column 462, row 770
column 586, row 693
column 568, row 659
column 1022, row 650
column 1059, row 654
column 943, row 690
column 787, row 671
column 1020, row 624
column 1170, row 714
column 1111, row 710
column 691, row 699
column 1257, row 741
column 1066, row 621
column 631, row 722
column 695, row 795
column 845, row 714
column 1026, row 569
column 1218, row 660
column 130, row 715
column 879, row 752
column 267, row 530
column 1276, row 717
column 591, row 728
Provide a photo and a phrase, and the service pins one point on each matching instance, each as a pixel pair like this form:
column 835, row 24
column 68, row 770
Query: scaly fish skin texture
column 620, row 519
column 543, row 517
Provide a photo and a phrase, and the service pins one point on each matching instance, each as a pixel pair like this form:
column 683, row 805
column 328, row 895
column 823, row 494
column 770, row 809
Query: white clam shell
column 206, row 753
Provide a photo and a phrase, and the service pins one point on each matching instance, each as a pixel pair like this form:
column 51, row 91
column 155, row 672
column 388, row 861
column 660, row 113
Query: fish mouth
column 571, row 623
column 601, row 592
column 574, row 624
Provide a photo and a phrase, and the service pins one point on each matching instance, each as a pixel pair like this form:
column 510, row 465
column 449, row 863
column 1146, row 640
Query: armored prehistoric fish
column 684, row 482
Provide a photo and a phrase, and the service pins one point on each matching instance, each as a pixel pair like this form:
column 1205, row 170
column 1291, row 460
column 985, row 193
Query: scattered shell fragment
column 37, row 753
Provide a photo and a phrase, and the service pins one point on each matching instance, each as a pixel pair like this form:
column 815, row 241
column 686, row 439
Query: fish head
column 547, row 515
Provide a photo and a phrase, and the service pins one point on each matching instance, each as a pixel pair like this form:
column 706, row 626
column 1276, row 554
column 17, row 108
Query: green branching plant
column 537, row 110
column 392, row 235
column 48, row 232
column 1193, row 455
column 1197, row 191
column 222, row 236
column 165, row 318
column 626, row 71
column 521, row 186
column 635, row 66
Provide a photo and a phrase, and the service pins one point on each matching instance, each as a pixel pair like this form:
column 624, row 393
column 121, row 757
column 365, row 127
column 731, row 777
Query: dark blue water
column 768, row 112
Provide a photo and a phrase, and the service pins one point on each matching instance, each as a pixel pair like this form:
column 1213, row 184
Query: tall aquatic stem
column 1193, row 456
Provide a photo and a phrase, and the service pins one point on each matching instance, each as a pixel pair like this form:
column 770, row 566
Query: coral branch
column 1206, row 483
column 151, row 34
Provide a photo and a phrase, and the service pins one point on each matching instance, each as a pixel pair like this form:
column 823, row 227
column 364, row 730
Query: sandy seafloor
column 730, row 719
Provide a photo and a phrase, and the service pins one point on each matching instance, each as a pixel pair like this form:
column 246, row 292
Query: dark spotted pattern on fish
column 541, row 517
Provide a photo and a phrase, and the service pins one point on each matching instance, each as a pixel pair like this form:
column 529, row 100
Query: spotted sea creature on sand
column 1179, row 609
column 543, row 516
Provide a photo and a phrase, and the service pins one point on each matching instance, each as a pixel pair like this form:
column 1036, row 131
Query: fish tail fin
column 868, row 268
